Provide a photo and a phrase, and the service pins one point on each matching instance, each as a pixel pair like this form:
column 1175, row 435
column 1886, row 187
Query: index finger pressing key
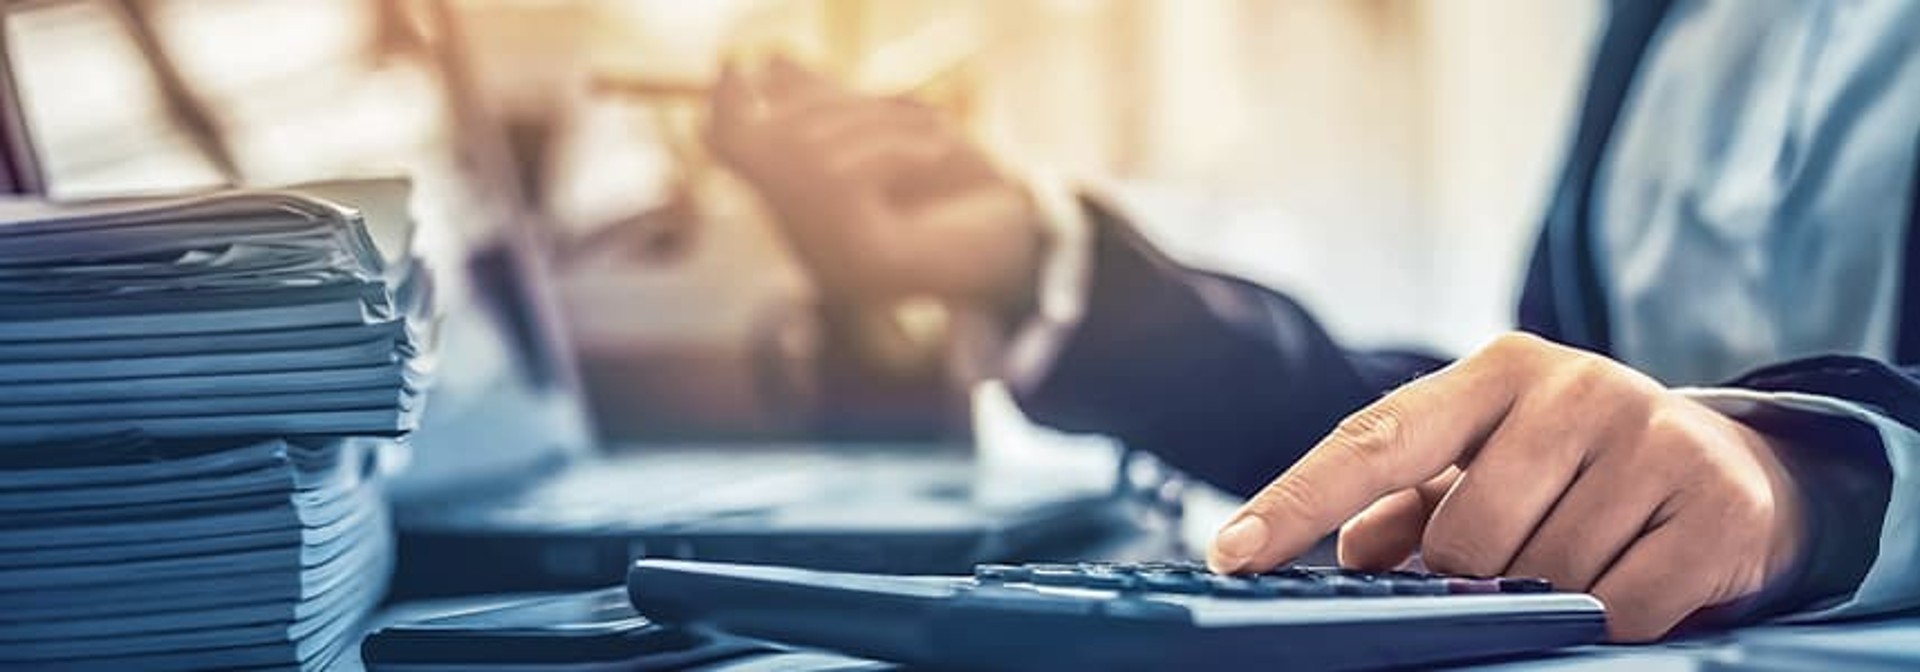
column 1402, row 440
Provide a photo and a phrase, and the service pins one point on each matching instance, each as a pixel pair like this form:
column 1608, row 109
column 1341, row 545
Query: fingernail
column 1239, row 541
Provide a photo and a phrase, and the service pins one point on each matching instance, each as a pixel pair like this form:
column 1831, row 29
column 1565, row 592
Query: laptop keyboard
column 657, row 492
column 690, row 487
column 636, row 482
column 1287, row 582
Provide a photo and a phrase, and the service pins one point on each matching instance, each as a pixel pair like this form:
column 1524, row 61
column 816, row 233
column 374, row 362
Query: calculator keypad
column 1286, row 582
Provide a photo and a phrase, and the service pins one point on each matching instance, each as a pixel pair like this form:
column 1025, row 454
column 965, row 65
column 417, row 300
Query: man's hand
column 1534, row 459
column 878, row 196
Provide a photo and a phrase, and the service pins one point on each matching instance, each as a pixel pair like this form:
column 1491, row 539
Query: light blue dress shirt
column 1752, row 210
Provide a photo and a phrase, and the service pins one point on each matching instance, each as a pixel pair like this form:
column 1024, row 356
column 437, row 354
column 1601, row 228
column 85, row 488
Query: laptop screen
column 506, row 403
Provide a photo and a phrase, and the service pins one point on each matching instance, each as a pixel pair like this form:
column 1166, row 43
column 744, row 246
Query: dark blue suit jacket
column 1232, row 382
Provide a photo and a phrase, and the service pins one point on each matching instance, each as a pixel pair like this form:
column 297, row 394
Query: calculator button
column 1235, row 586
column 1417, row 586
column 1296, row 581
column 1472, row 586
column 1173, row 582
column 1297, row 573
column 1525, row 585
column 1054, row 575
column 1002, row 573
column 1414, row 583
column 1184, row 567
column 1297, row 587
column 1359, row 586
column 1109, row 579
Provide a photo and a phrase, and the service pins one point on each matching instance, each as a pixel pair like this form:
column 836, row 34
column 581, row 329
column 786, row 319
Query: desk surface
column 1868, row 645
column 1873, row 645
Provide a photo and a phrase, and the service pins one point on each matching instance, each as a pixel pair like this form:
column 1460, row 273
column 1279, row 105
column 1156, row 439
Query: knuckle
column 1669, row 431
column 1677, row 444
column 1513, row 343
column 1582, row 386
column 1595, row 378
column 1744, row 499
column 1371, row 438
column 1745, row 517
column 1289, row 497
column 1555, row 565
column 1664, row 425
column 1446, row 550
column 1586, row 371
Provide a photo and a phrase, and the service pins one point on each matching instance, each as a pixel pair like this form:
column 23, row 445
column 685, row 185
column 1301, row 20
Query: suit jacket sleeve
column 1229, row 381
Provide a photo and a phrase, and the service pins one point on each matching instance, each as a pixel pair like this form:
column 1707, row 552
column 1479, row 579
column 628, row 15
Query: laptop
column 507, row 489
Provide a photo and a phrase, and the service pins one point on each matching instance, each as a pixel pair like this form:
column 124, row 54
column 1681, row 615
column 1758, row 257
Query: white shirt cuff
column 1023, row 354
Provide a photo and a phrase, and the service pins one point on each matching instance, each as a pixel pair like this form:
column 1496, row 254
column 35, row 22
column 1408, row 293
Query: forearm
column 1227, row 380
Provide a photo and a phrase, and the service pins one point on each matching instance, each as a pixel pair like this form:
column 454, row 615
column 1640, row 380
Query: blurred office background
column 1384, row 160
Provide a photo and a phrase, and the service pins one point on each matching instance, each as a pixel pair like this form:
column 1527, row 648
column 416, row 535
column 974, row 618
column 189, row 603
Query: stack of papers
column 243, row 314
column 193, row 394
column 140, row 555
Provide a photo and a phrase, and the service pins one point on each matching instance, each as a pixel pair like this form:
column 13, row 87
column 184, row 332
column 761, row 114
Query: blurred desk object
column 692, row 319
column 20, row 172
column 183, row 109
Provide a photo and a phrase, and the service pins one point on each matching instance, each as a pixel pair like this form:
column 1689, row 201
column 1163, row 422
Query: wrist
column 1018, row 301
column 1034, row 319
column 1826, row 464
column 1793, row 528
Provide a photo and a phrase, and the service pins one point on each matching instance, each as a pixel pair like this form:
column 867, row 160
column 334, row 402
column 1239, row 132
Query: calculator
column 1121, row 616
